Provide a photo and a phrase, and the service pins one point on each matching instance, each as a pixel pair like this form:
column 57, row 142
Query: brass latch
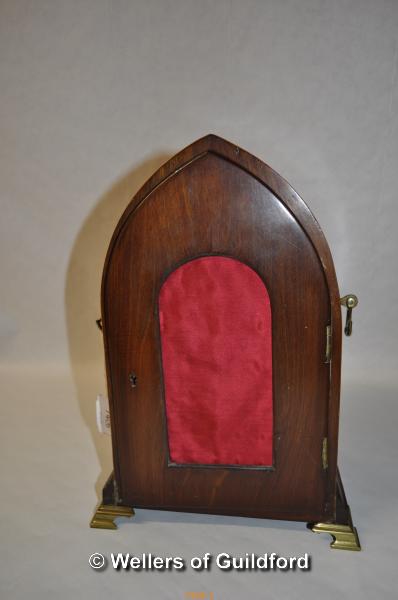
column 350, row 301
column 325, row 453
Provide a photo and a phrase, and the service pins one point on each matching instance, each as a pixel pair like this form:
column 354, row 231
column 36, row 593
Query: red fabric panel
column 215, row 324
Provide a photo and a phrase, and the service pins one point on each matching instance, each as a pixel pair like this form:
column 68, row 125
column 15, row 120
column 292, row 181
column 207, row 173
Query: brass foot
column 343, row 532
column 105, row 515
column 345, row 537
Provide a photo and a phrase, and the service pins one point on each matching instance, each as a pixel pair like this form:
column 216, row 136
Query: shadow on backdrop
column 82, row 301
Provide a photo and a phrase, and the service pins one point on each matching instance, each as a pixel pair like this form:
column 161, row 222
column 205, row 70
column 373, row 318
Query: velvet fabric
column 216, row 340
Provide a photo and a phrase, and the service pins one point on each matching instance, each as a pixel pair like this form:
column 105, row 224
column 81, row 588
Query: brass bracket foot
column 105, row 515
column 344, row 537
column 343, row 532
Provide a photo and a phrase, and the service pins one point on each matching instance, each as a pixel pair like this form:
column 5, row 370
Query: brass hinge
column 328, row 351
column 325, row 453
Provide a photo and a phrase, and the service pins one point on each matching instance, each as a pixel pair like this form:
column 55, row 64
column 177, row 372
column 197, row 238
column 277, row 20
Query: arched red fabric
column 216, row 340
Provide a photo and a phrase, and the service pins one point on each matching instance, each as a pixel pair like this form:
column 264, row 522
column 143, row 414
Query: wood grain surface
column 215, row 199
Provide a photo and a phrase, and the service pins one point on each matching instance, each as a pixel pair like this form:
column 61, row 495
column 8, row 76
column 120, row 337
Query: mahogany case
column 221, row 319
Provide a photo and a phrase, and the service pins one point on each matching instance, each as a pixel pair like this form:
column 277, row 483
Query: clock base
column 342, row 530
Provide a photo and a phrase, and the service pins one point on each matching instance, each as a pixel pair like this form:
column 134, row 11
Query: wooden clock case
column 216, row 211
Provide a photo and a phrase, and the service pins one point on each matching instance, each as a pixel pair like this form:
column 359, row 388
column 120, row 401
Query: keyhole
column 133, row 380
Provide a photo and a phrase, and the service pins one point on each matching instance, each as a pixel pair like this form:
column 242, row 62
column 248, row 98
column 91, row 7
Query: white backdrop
column 95, row 95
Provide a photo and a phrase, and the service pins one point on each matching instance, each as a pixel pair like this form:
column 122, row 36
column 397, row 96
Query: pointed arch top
column 214, row 144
